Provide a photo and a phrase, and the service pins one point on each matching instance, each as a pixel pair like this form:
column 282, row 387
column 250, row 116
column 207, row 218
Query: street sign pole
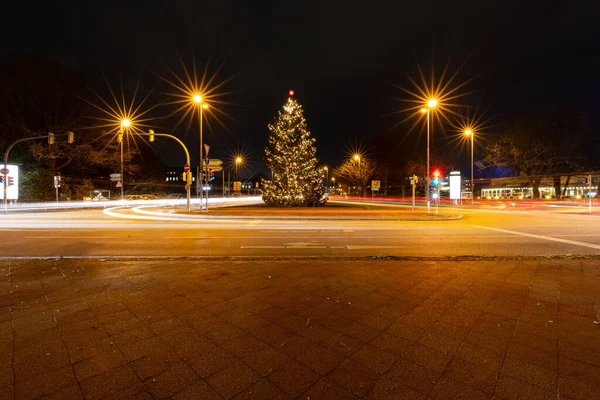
column 590, row 192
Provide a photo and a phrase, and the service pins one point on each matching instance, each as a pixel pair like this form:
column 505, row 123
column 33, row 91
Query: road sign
column 215, row 168
column 186, row 167
column 206, row 160
column 115, row 177
column 4, row 171
column 57, row 181
column 119, row 184
column 375, row 184
column 216, row 161
column 237, row 186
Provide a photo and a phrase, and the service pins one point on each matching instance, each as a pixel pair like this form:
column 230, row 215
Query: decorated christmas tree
column 291, row 157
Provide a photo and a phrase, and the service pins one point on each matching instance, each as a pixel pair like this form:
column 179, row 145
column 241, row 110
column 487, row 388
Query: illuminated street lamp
column 327, row 175
column 125, row 126
column 238, row 161
column 356, row 158
column 469, row 132
column 431, row 104
column 333, row 183
column 199, row 101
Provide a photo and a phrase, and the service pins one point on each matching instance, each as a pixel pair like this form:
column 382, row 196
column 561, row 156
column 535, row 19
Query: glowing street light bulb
column 432, row 103
column 356, row 157
column 197, row 98
column 468, row 132
column 238, row 160
column 126, row 123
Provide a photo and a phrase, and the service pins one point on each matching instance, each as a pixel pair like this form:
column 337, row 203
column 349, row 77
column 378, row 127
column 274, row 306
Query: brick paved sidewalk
column 299, row 329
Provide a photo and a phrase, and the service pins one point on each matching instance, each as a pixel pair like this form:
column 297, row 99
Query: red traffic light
column 436, row 173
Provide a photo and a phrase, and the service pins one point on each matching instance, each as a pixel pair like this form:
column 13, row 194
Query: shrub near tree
column 291, row 156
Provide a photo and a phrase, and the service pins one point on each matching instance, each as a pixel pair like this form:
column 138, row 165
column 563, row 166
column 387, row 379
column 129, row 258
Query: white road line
column 542, row 237
column 262, row 247
column 358, row 247
column 72, row 237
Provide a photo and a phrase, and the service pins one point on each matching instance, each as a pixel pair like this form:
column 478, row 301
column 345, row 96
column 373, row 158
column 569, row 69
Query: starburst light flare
column 437, row 94
column 190, row 92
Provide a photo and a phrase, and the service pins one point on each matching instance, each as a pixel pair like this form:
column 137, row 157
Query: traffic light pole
column 188, row 182
column 590, row 192
column 7, row 152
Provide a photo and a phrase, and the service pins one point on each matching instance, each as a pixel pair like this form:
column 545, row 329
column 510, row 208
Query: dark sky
column 340, row 57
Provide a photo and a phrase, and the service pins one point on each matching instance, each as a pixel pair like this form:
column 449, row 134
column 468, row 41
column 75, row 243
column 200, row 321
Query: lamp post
column 333, row 183
column 357, row 159
column 431, row 103
column 326, row 177
column 125, row 125
column 238, row 161
column 197, row 98
column 469, row 132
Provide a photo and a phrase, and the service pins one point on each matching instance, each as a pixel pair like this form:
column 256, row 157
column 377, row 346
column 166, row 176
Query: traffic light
column 584, row 180
column 184, row 176
column 71, row 137
column 189, row 178
column 2, row 179
column 11, row 181
column 436, row 177
column 50, row 138
column 211, row 175
column 151, row 138
column 120, row 138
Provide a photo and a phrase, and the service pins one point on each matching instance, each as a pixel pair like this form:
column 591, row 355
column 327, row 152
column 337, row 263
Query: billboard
column 455, row 185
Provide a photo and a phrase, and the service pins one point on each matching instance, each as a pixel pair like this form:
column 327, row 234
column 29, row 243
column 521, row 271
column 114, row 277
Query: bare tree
column 357, row 172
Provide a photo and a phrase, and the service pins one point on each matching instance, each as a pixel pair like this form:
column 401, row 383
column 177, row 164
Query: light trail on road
column 142, row 232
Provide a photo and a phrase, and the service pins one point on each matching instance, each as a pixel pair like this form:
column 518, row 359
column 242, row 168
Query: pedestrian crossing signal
column 584, row 180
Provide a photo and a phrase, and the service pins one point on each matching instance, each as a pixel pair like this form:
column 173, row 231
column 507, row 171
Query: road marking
column 262, row 247
column 533, row 235
column 359, row 247
column 72, row 237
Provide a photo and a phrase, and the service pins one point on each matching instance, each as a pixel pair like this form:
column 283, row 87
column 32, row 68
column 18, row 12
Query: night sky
column 340, row 57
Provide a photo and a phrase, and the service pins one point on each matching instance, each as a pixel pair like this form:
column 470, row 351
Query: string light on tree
column 291, row 156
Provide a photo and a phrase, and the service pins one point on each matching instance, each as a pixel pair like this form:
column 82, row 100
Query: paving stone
column 175, row 322
column 354, row 377
column 511, row 388
column 263, row 389
column 530, row 373
column 45, row 383
column 109, row 382
column 244, row 346
column 451, row 389
column 266, row 361
column 376, row 359
column 233, row 379
column 326, row 388
column 386, row 389
column 414, row 376
column 171, row 381
column 154, row 363
column 71, row 392
column 294, row 378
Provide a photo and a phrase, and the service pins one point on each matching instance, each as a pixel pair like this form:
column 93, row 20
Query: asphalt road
column 135, row 233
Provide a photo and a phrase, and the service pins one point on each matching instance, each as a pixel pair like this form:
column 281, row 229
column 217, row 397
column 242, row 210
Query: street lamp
column 198, row 100
column 238, row 161
column 333, row 183
column 357, row 159
column 125, row 125
column 327, row 176
column 469, row 132
column 431, row 104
